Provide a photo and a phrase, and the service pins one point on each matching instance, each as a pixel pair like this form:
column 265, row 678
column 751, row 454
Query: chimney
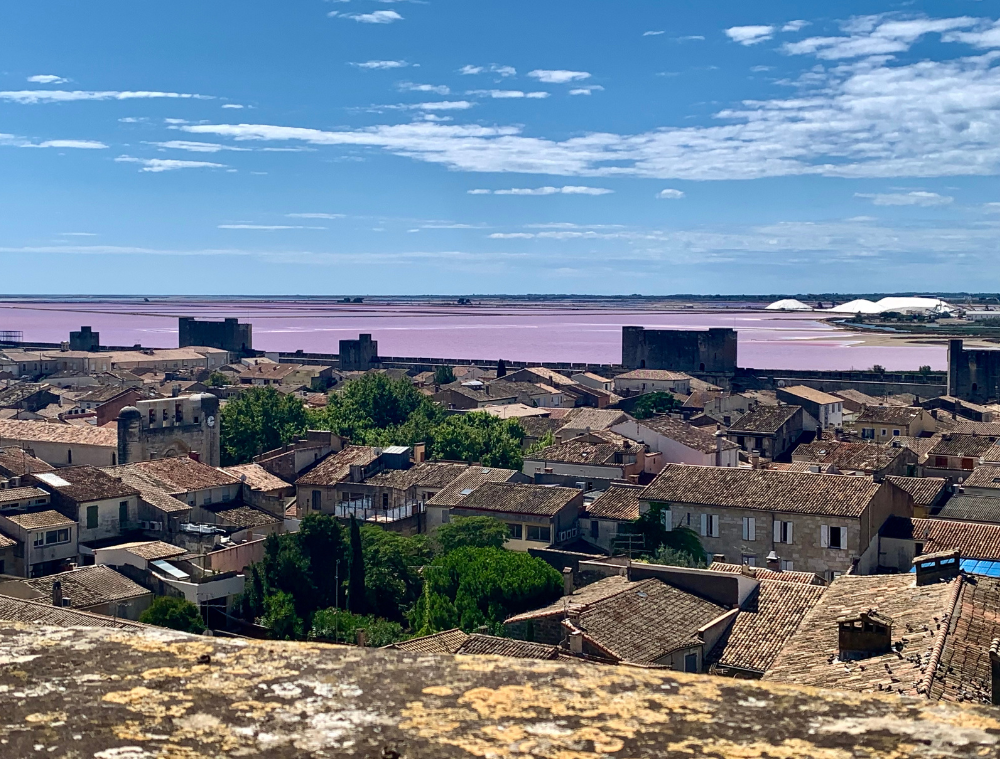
column 773, row 562
column 995, row 672
column 57, row 597
column 194, row 456
column 362, row 637
column 576, row 642
column 866, row 634
column 719, row 435
column 932, row 567
column 419, row 452
column 755, row 459
column 567, row 581
column 175, row 390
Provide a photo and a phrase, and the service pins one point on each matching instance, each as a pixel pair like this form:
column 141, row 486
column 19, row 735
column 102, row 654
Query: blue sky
column 366, row 147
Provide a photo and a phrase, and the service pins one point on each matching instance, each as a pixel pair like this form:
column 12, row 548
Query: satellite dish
column 211, row 421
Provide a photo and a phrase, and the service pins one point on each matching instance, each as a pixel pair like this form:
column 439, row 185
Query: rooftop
column 595, row 448
column 491, row 645
column 18, row 610
column 467, row 482
column 336, row 467
column 925, row 490
column 89, row 586
column 510, row 498
column 151, row 549
column 12, row 430
column 151, row 490
column 579, row 600
column 851, row 456
column 762, row 489
column 594, row 418
column 697, row 438
column 13, row 495
column 242, row 516
column 963, row 507
column 662, row 375
column 765, row 420
column 16, row 462
column 85, row 483
column 963, row 673
column 900, row 415
column 428, row 474
column 40, row 520
column 811, row 655
column 763, row 573
column 619, row 501
column 182, row 474
column 811, row 394
column 256, row 477
column 986, row 476
column 446, row 642
column 958, row 444
column 973, row 540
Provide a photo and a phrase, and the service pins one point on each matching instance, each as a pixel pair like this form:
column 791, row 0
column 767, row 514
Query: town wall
column 227, row 335
column 712, row 350
column 973, row 375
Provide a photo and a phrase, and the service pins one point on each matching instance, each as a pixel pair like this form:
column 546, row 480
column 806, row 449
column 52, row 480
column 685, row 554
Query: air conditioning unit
column 155, row 526
column 15, row 482
column 4, row 484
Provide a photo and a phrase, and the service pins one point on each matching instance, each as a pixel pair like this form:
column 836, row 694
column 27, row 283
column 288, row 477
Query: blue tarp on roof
column 978, row 567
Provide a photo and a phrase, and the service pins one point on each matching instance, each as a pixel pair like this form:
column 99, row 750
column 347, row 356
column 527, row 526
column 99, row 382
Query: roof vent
column 933, row 567
column 866, row 634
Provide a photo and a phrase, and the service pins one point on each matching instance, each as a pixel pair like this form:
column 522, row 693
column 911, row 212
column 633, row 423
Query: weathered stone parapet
column 112, row 694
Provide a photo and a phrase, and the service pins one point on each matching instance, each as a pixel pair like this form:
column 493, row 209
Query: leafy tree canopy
column 443, row 375
column 218, row 379
column 392, row 570
column 259, row 420
column 654, row 403
column 655, row 535
column 541, row 444
column 475, row 532
column 340, row 626
column 175, row 613
column 480, row 437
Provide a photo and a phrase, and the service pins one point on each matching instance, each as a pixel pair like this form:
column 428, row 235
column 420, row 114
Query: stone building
column 169, row 427
column 712, row 351
column 358, row 355
column 85, row 340
column 973, row 375
column 769, row 430
column 228, row 335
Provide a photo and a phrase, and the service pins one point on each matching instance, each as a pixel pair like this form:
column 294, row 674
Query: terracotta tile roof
column 182, row 474
column 595, row 418
column 151, row 549
column 537, row 426
column 594, row 448
column 762, row 489
column 446, row 642
column 579, row 600
column 490, row 645
column 697, row 438
column 925, row 490
column 256, row 477
column 511, row 498
column 13, row 495
column 763, row 573
column 617, row 502
column 428, row 474
column 85, row 483
column 549, row 376
column 34, row 612
column 242, row 516
column 151, row 490
column 764, row 625
column 957, row 444
column 653, row 374
column 900, row 415
column 850, row 456
column 40, row 520
column 963, row 672
column 973, row 540
column 964, row 426
column 90, row 586
column 646, row 622
column 986, row 476
column 811, row 394
column 16, row 462
column 919, row 445
column 971, row 508
column 764, row 419
column 269, row 371
column 336, row 467
column 811, row 655
column 6, row 542
column 45, row 432
column 469, row 480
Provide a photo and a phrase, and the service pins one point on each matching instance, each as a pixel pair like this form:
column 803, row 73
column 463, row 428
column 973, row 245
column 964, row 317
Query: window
column 710, row 525
column 317, row 499
column 445, row 517
column 178, row 413
column 867, row 433
column 123, row 512
column 740, row 441
column 92, row 517
column 165, row 415
column 968, row 465
column 516, row 531
column 208, row 499
column 787, row 566
column 385, row 500
column 941, row 462
column 540, row 534
column 832, row 537
column 691, row 660
column 895, row 433
column 1, row 567
column 595, row 529
column 750, row 561
column 782, row 532
column 152, row 417
column 749, row 528
column 883, row 431
column 39, row 539
column 69, row 456
column 56, row 536
column 114, row 459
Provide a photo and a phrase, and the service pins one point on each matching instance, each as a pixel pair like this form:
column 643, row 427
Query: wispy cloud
column 653, row 34
column 670, row 194
column 196, row 147
column 493, row 68
column 915, row 198
column 750, row 35
column 794, row 26
column 438, row 89
column 558, row 76
column 265, row 227
column 375, row 17
column 984, row 35
column 381, row 65
column 871, row 35
column 566, row 190
column 47, row 79
column 235, row 106
column 315, row 215
column 586, row 90
column 32, row 97
column 158, row 165
column 68, row 144
column 508, row 94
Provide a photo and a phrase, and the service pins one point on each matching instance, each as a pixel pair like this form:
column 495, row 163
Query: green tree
column 443, row 375
column 475, row 532
column 471, row 586
column 654, row 403
column 926, row 369
column 340, row 626
column 671, row 557
column 259, row 420
column 218, row 379
column 175, row 613
column 322, row 542
column 655, row 535
column 356, row 593
column 392, row 570
column 546, row 440
column 501, row 369
column 479, row 437
column 281, row 618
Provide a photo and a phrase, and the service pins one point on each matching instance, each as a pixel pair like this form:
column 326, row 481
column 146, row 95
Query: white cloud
column 652, row 34
column 32, row 97
column 670, row 194
column 691, row 38
column 872, row 35
column 511, row 236
column 991, row 207
column 315, row 215
column 375, row 17
column 47, row 79
column 749, row 35
column 493, row 68
column 558, row 76
column 381, row 65
column 77, row 234
column 264, row 227
column 469, row 70
column 915, row 198
column 509, row 94
column 567, row 190
column 794, row 26
column 236, row 106
column 195, row 147
column 158, row 165
column 488, row 192
column 444, row 105
column 586, row 90
column 877, row 119
column 68, row 144
column 984, row 35
column 438, row 89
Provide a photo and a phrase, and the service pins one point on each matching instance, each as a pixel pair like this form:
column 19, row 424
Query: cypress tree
column 501, row 369
column 356, row 602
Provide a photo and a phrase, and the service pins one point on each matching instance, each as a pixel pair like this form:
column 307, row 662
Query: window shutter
column 824, row 536
column 715, row 525
column 777, row 531
column 746, row 528
column 704, row 524
column 753, row 528
column 788, row 529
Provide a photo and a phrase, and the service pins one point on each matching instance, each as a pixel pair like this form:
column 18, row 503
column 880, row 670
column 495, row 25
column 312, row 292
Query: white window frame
column 710, row 525
column 787, row 566
column 783, row 532
column 749, row 528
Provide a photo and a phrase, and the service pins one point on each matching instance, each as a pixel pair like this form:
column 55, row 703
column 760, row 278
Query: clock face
column 211, row 421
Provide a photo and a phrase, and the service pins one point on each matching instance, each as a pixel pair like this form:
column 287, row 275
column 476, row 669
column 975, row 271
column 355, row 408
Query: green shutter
column 92, row 517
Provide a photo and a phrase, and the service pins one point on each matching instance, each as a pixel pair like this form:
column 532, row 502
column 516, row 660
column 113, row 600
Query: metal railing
column 366, row 511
